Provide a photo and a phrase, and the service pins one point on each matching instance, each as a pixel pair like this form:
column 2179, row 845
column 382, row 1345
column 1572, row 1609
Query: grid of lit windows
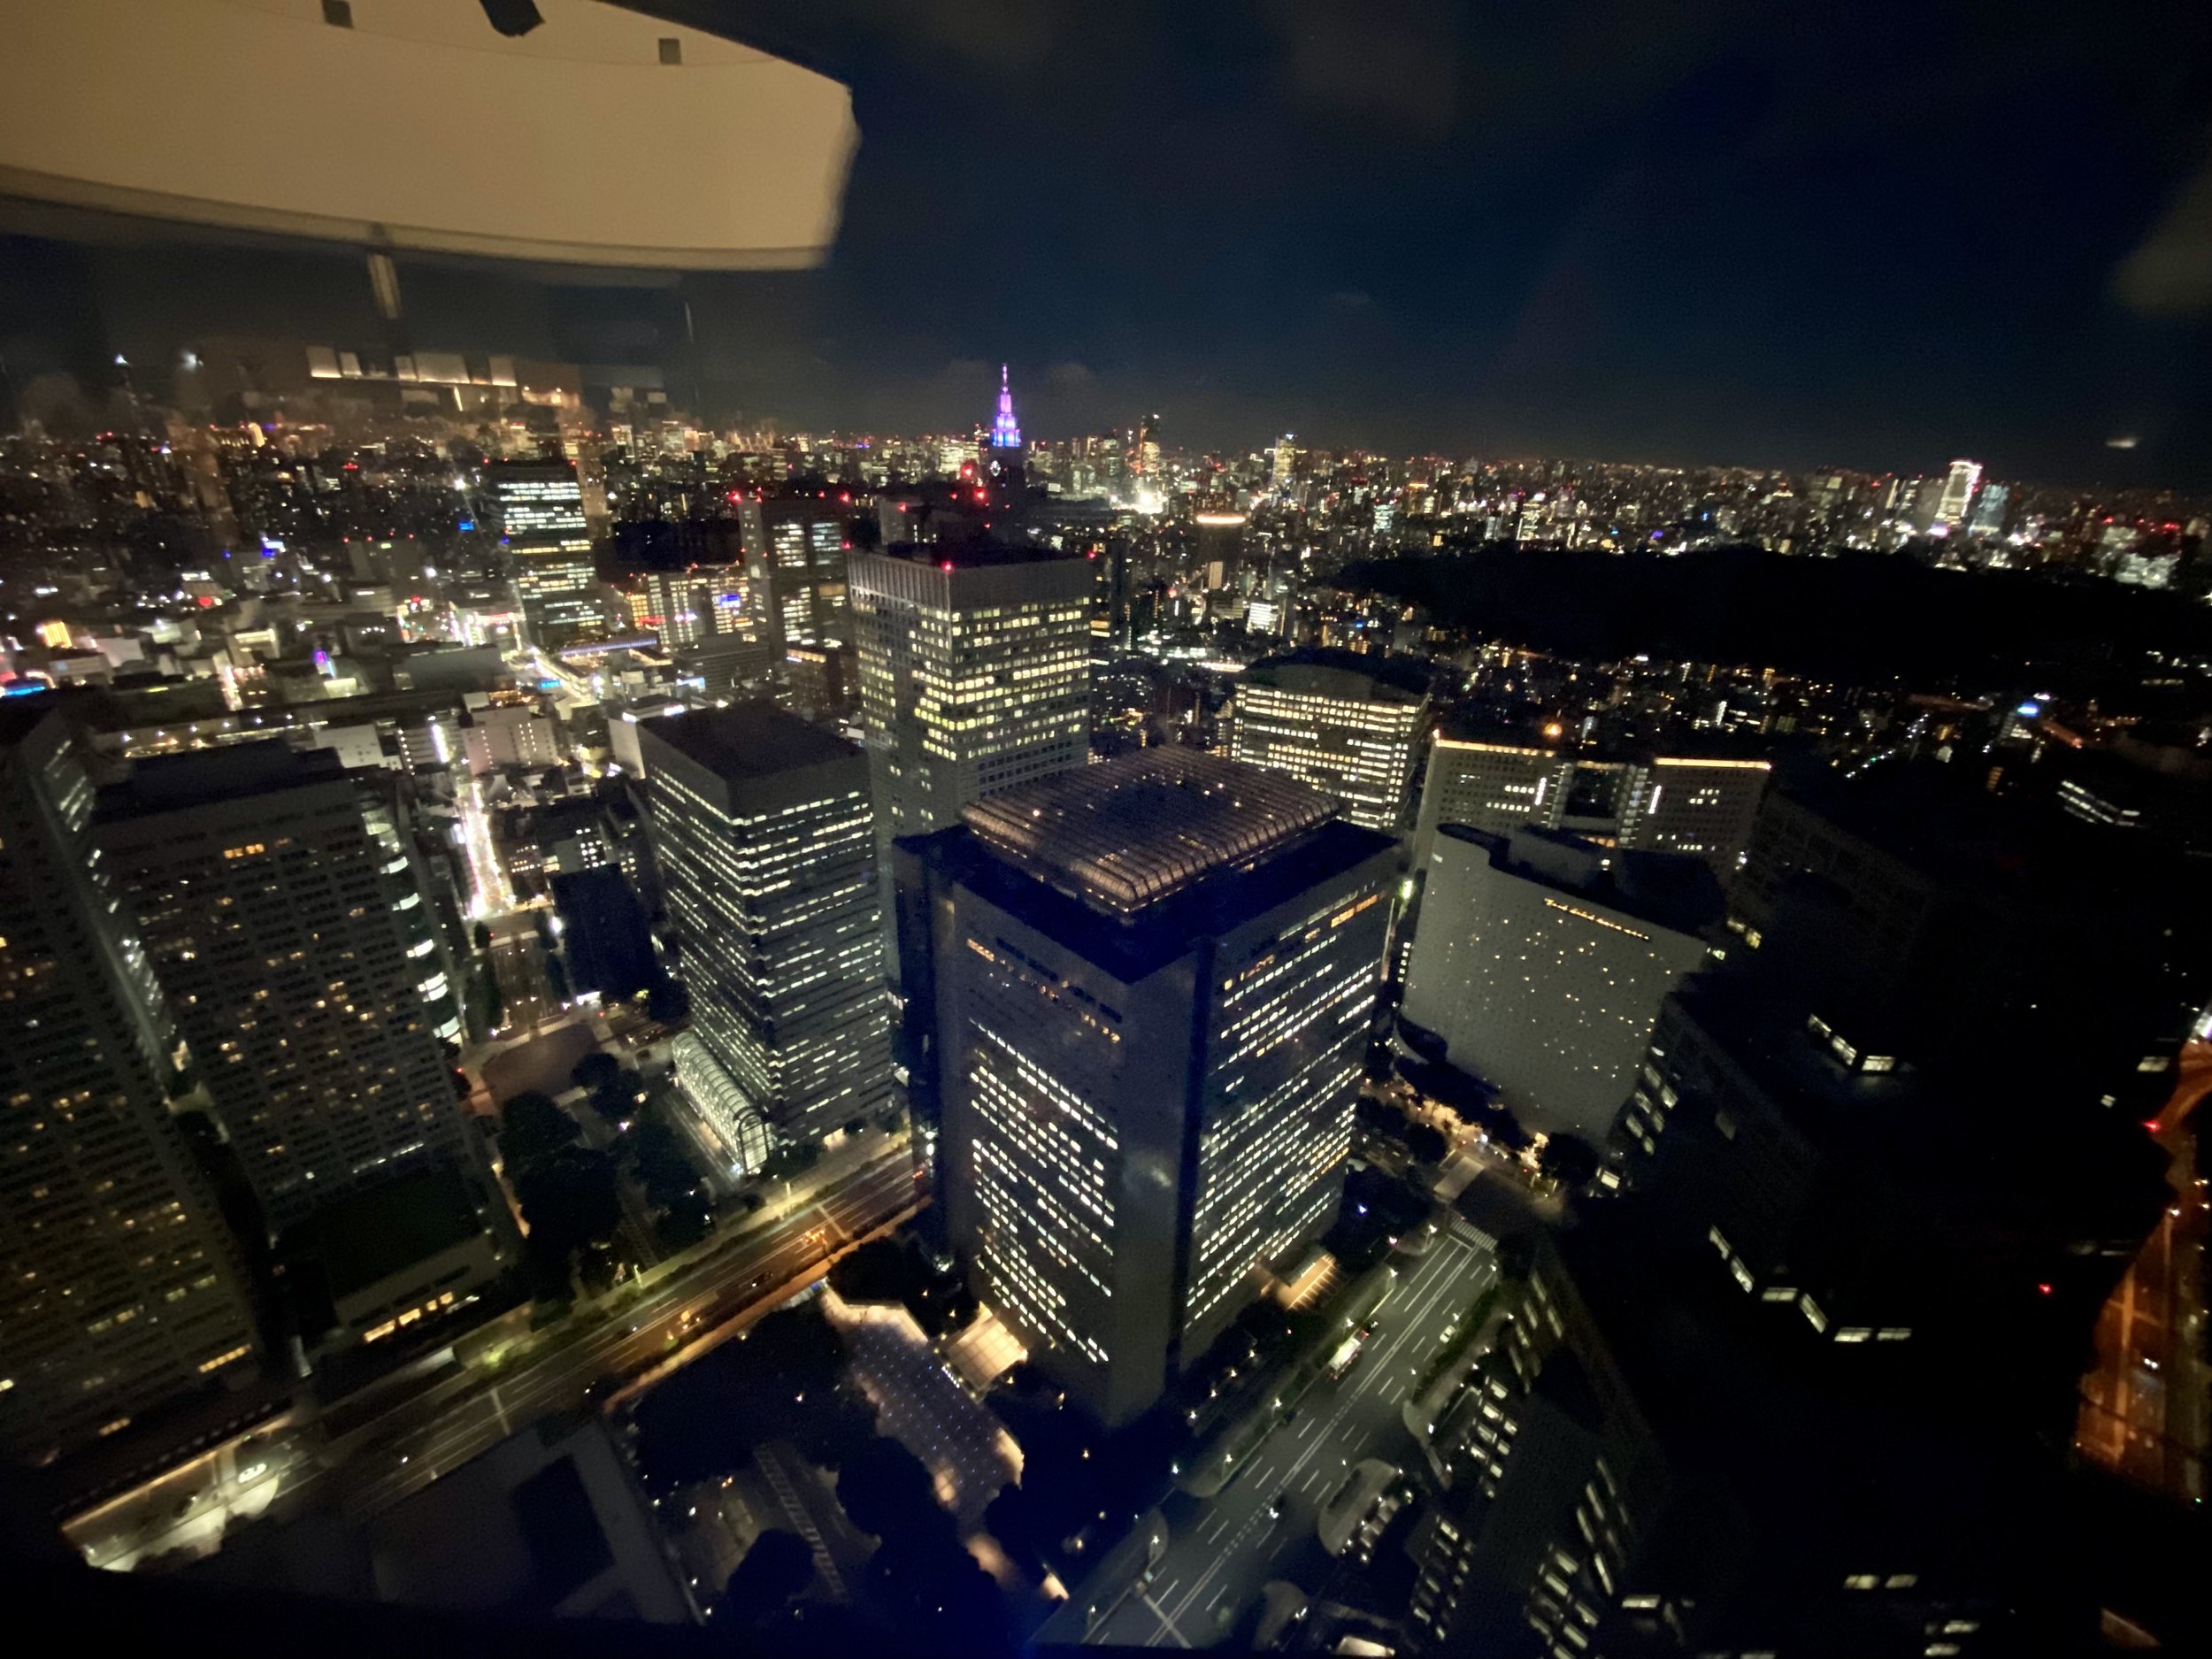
column 119, row 1290
column 288, row 960
column 1357, row 745
column 970, row 678
column 778, row 906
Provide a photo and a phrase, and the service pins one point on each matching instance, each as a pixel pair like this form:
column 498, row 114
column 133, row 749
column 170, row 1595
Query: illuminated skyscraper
column 1958, row 493
column 1286, row 462
column 122, row 1290
column 1144, row 990
column 974, row 675
column 541, row 521
column 1989, row 509
column 690, row 607
column 1144, row 450
column 760, row 828
column 1345, row 725
column 1005, row 433
column 276, row 920
column 795, row 551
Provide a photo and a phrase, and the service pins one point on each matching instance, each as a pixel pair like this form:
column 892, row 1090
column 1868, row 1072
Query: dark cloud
column 1879, row 234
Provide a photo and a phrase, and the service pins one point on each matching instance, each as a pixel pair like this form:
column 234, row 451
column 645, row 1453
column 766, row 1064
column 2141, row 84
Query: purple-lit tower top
column 1004, row 434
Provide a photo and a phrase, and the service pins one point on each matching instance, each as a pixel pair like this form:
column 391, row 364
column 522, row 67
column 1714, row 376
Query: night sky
column 1875, row 234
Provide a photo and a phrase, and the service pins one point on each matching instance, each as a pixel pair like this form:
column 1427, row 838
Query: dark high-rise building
column 1654, row 1463
column 1980, row 931
column 1139, row 994
column 276, row 918
column 1800, row 1389
column 121, row 1293
column 548, row 547
column 767, row 858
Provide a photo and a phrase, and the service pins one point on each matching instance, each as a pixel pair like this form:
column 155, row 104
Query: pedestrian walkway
column 920, row 1403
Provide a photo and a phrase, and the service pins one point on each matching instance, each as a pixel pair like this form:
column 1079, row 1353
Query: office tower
column 2117, row 792
column 1653, row 1461
column 1878, row 1188
column 795, row 552
column 974, row 675
column 1284, row 464
column 1541, row 959
column 1676, row 803
column 1976, row 928
column 548, row 548
column 688, row 604
column 1700, row 804
column 1958, row 493
column 1139, row 996
column 432, row 927
column 2140, row 566
column 121, row 1292
column 276, row 922
column 1843, row 1167
column 1348, row 726
column 761, row 830
column 819, row 681
column 1989, row 509
column 1144, row 450
column 1006, row 432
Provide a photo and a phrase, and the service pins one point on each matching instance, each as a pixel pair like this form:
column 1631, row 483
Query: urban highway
column 1223, row 1550
column 414, row 1437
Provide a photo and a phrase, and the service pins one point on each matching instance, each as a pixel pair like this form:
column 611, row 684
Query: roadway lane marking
column 1167, row 1625
column 1432, row 1283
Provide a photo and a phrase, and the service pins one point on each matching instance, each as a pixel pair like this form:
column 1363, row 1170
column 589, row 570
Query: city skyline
column 829, row 830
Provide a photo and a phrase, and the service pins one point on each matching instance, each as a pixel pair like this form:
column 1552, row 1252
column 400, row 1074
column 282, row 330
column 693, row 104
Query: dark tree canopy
column 568, row 1197
column 662, row 1166
column 775, row 1571
column 886, row 1490
column 1425, row 1144
column 1570, row 1160
column 531, row 1127
column 595, row 1070
column 1862, row 618
column 779, row 1382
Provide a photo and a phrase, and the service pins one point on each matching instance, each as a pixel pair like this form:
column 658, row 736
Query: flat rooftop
column 1131, row 832
column 1677, row 891
column 169, row 783
column 747, row 740
column 369, row 1236
column 1392, row 679
column 979, row 554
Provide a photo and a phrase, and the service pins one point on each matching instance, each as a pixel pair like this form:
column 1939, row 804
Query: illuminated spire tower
column 1004, row 434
